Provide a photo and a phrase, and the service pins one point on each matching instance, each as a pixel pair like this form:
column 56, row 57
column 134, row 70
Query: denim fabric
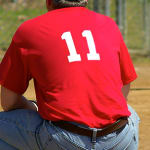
column 26, row 130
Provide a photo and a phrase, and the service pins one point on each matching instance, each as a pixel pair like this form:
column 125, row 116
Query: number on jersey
column 92, row 55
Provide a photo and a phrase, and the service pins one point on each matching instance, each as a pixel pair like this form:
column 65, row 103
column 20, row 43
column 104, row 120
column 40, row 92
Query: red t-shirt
column 78, row 61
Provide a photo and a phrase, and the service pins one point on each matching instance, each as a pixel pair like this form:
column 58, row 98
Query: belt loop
column 94, row 135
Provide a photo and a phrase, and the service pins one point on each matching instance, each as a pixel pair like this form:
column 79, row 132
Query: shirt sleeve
column 14, row 72
column 128, row 73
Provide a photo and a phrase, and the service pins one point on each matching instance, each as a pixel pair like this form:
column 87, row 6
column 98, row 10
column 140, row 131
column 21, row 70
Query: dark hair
column 69, row 3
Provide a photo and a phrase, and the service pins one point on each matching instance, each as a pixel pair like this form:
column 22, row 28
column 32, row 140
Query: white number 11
column 92, row 55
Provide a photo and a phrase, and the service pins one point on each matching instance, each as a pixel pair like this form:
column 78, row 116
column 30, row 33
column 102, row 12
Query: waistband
column 119, row 124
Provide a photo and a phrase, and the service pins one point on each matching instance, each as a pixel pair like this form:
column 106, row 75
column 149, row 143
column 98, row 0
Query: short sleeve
column 14, row 72
column 128, row 73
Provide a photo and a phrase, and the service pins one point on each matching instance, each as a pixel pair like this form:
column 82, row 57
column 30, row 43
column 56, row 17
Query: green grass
column 1, row 54
column 10, row 20
column 141, row 59
column 135, row 31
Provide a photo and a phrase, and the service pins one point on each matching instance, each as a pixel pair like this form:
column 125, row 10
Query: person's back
column 78, row 52
column 79, row 64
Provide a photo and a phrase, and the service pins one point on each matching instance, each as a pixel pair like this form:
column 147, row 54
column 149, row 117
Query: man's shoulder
column 97, row 15
column 28, row 28
column 101, row 19
column 31, row 23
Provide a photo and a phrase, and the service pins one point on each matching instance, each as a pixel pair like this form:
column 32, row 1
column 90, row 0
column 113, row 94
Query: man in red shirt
column 82, row 73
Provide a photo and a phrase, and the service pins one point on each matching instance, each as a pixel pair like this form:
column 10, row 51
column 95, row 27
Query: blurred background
column 132, row 16
column 133, row 19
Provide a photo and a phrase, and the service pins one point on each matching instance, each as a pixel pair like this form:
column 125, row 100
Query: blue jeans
column 26, row 130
